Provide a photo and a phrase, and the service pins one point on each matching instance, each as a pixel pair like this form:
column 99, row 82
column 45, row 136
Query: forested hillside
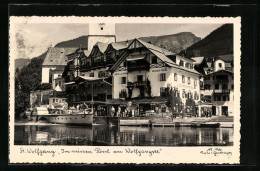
column 26, row 80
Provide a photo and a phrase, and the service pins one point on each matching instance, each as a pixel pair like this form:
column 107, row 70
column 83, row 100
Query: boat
column 210, row 125
column 64, row 116
column 134, row 121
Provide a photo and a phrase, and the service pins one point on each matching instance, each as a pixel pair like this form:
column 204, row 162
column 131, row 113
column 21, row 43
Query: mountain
column 21, row 62
column 174, row 42
column 77, row 42
column 218, row 42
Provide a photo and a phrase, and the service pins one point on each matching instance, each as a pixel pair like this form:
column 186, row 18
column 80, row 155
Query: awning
column 135, row 58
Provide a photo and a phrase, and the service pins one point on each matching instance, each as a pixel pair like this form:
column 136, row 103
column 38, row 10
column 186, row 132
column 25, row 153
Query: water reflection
column 124, row 136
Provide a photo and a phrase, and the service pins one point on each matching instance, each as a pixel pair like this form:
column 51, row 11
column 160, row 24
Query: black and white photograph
column 136, row 88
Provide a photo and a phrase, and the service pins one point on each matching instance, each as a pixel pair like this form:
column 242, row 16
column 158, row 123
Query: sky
column 33, row 39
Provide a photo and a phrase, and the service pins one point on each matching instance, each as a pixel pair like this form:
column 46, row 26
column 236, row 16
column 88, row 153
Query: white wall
column 218, row 104
column 216, row 65
column 92, row 40
column 108, row 29
column 46, row 73
column 156, row 84
column 117, row 86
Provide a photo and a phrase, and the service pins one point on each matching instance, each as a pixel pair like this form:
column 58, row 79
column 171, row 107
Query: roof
column 228, row 65
column 44, row 86
column 198, row 60
column 209, row 64
column 221, row 71
column 89, row 78
column 59, row 77
column 157, row 51
column 57, row 56
column 118, row 46
column 86, row 52
column 57, row 88
column 101, row 46
column 227, row 58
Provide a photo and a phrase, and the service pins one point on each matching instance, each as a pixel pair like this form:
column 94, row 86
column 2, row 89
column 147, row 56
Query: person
column 99, row 110
column 112, row 111
column 119, row 111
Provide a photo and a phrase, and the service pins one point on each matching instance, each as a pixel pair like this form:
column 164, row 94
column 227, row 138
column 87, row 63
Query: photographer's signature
column 216, row 152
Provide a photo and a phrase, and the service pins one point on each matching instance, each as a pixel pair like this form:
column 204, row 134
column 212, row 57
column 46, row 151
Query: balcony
column 140, row 65
column 137, row 84
column 218, row 81
column 222, row 91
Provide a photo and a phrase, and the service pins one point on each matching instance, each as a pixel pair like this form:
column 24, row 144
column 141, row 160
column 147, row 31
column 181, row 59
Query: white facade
column 219, row 65
column 101, row 32
column 154, row 77
column 221, row 92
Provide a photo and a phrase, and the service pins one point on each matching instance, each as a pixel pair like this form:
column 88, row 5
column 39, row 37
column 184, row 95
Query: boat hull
column 79, row 119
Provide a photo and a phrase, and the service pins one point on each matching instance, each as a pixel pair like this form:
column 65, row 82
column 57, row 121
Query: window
column 123, row 80
column 59, row 83
column 175, row 76
column 217, row 98
column 224, row 98
column 216, row 86
column 53, row 100
column 220, row 65
column 232, row 86
column 183, row 79
column 139, row 78
column 191, row 66
column 163, row 77
column 183, row 93
column 181, row 63
column 122, row 93
column 207, row 77
column 163, row 109
column 91, row 74
column 224, row 86
column 188, row 80
column 154, row 60
column 163, row 92
column 57, row 100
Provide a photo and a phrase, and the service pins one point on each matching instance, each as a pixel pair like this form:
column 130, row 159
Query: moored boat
column 64, row 116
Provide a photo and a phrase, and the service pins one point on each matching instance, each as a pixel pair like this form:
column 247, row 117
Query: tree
column 174, row 101
column 26, row 80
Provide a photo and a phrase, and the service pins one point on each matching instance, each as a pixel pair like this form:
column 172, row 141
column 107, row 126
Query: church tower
column 101, row 32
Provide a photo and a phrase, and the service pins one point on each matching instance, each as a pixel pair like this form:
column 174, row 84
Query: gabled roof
column 86, row 52
column 101, row 46
column 57, row 56
column 226, row 58
column 230, row 72
column 198, row 60
column 118, row 46
column 157, row 51
column 228, row 65
column 57, row 88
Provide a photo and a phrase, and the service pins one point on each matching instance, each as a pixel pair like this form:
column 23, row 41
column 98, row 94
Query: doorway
column 225, row 110
column 213, row 110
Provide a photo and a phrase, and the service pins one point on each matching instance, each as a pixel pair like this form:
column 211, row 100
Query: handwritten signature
column 216, row 152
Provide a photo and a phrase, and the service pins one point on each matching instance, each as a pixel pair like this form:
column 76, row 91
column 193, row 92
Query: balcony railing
column 138, row 68
column 222, row 91
column 136, row 84
column 221, row 81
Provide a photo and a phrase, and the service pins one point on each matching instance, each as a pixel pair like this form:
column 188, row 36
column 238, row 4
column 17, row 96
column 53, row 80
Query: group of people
column 126, row 112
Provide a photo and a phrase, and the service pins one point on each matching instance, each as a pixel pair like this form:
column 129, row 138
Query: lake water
column 123, row 136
